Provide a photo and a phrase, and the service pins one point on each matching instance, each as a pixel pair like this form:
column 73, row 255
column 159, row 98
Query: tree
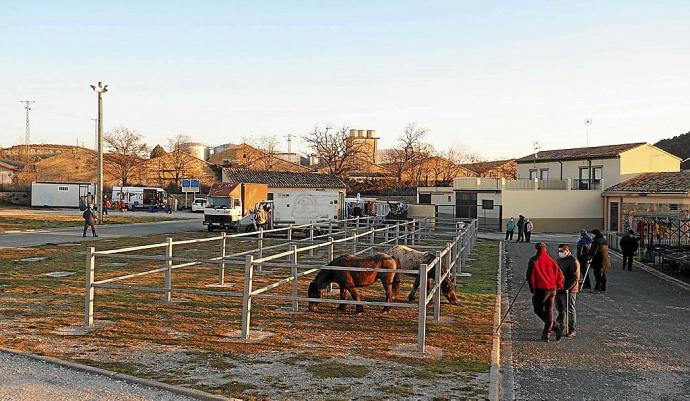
column 335, row 149
column 407, row 157
column 178, row 159
column 264, row 159
column 127, row 149
column 158, row 151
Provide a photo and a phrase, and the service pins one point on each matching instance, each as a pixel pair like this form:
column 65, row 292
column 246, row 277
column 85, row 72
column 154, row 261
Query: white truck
column 226, row 203
column 139, row 197
column 59, row 194
column 296, row 208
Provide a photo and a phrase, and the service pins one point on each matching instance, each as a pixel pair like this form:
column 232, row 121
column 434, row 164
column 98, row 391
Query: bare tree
column 405, row 158
column 127, row 149
column 158, row 151
column 265, row 158
column 178, row 159
column 335, row 149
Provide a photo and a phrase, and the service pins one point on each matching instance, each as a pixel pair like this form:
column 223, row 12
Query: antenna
column 588, row 122
column 289, row 138
column 27, row 138
column 536, row 147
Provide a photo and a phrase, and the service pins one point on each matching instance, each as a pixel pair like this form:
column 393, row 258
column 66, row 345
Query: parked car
column 198, row 205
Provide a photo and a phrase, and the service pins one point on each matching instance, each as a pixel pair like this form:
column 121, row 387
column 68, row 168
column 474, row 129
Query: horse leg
column 388, row 287
column 355, row 296
column 410, row 297
column 341, row 307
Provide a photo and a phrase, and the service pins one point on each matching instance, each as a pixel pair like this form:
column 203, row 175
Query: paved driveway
column 633, row 341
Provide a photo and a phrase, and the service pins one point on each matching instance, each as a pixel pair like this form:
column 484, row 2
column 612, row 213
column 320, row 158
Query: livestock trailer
column 59, row 194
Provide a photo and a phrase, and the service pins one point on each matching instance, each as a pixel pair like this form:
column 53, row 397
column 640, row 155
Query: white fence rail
column 452, row 240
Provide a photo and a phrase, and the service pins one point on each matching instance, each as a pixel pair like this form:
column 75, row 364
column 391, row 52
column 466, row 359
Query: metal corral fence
column 452, row 240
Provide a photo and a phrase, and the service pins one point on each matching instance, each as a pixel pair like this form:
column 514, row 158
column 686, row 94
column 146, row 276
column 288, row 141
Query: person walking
column 105, row 205
column 583, row 246
column 629, row 246
column 510, row 229
column 544, row 278
column 529, row 226
column 89, row 200
column 600, row 261
column 566, row 297
column 89, row 220
column 521, row 228
column 261, row 218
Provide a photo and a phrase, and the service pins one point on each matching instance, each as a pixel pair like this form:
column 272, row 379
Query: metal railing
column 452, row 240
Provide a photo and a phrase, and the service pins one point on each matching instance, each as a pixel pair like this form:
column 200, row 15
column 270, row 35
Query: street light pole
column 100, row 89
column 95, row 134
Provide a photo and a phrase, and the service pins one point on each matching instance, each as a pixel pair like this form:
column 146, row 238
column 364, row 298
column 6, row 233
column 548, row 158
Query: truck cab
column 227, row 203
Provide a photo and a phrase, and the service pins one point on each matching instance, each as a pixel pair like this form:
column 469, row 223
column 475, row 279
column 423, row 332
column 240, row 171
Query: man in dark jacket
column 600, row 261
column 544, row 278
column 566, row 297
column 583, row 246
column 89, row 220
column 521, row 228
column 629, row 246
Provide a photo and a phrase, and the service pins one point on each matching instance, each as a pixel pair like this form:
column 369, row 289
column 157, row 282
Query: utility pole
column 95, row 134
column 289, row 137
column 100, row 89
column 27, row 138
column 588, row 122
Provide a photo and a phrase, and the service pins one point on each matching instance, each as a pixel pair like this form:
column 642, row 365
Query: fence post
column 357, row 220
column 437, row 284
column 247, row 295
column 385, row 235
column 458, row 258
column 372, row 241
column 289, row 238
column 406, row 230
column 397, row 233
column 421, row 318
column 330, row 227
column 261, row 247
column 221, row 273
column 295, row 304
column 89, row 294
column 167, row 295
column 330, row 258
column 414, row 231
column 354, row 243
column 311, row 237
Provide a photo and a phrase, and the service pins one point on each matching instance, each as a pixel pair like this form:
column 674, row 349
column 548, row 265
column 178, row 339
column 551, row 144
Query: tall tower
column 366, row 141
column 27, row 137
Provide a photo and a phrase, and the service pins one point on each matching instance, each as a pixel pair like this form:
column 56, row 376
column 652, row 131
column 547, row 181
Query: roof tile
column 283, row 178
column 592, row 152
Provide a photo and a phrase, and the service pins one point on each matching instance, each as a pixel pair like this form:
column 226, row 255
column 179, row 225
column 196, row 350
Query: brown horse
column 409, row 259
column 350, row 280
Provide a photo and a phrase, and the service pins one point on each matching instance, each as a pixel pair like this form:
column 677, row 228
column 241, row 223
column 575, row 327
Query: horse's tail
column 396, row 284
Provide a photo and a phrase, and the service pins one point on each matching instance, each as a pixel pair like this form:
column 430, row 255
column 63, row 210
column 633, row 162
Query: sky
column 487, row 77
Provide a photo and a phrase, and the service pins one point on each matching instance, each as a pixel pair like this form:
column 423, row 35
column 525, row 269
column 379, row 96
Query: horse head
column 314, row 292
column 447, row 285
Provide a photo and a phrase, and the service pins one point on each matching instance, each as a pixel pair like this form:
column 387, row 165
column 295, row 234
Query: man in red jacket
column 545, row 278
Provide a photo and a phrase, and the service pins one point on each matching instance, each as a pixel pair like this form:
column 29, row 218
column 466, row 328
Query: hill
column 679, row 146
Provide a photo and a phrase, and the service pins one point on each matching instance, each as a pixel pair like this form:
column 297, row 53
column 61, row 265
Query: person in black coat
column 89, row 216
column 521, row 228
column 629, row 246
column 600, row 260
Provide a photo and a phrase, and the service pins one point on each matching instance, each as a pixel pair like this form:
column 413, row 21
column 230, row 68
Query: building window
column 544, row 174
column 425, row 199
column 487, row 204
column 533, row 173
column 674, row 207
column 63, row 189
column 448, row 198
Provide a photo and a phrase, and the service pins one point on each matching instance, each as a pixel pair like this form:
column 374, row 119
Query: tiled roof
column 673, row 182
column 592, row 152
column 483, row 167
column 283, row 179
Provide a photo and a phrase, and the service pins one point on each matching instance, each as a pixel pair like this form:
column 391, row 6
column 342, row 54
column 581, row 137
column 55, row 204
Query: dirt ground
column 303, row 355
column 29, row 219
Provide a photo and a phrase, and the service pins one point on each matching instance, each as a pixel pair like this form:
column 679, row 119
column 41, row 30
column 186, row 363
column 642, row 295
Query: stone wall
column 15, row 198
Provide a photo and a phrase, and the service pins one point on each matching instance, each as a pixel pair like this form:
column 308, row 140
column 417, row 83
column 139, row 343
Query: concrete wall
column 647, row 159
column 555, row 211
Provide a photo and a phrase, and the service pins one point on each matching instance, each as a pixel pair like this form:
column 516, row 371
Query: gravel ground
column 27, row 379
column 631, row 343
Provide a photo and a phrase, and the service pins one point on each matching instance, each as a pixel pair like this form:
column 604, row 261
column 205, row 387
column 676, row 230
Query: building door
column 466, row 205
column 613, row 217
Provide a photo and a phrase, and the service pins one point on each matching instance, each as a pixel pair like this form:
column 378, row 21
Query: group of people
column 524, row 227
column 556, row 283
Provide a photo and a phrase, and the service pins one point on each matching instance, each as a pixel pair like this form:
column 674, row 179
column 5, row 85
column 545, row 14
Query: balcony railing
column 553, row 184
column 586, row 185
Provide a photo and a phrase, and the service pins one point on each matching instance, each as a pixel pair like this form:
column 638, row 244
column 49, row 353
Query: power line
column 27, row 138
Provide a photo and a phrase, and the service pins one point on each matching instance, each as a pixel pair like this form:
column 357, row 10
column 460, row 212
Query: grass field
column 42, row 221
column 320, row 355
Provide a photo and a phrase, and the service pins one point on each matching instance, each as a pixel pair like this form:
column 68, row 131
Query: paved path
column 74, row 234
column 23, row 379
column 632, row 342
